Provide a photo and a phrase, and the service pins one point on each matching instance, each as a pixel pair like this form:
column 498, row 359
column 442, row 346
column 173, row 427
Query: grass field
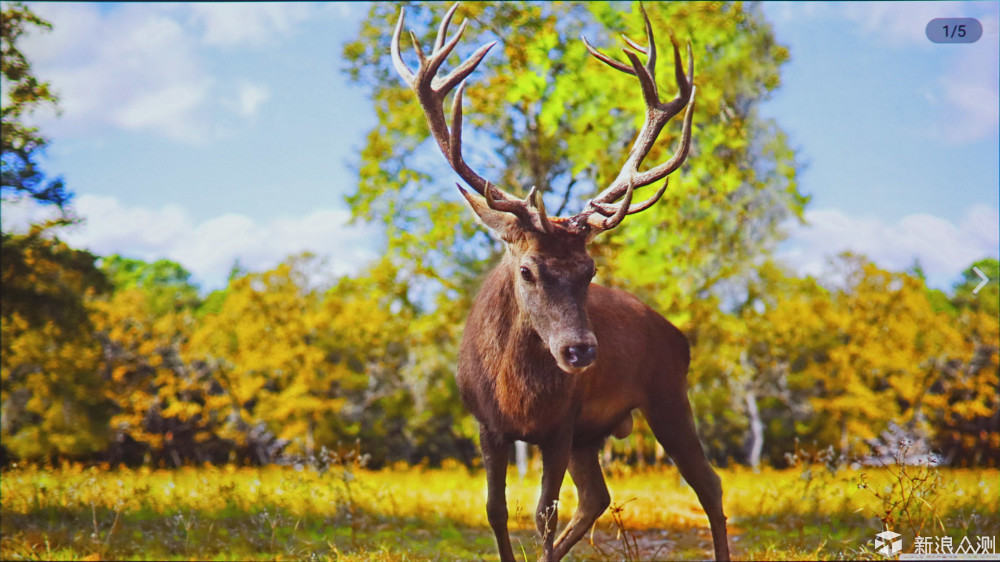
column 407, row 513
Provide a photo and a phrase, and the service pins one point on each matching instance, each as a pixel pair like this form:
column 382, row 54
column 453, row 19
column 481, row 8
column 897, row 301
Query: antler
column 657, row 115
column 431, row 91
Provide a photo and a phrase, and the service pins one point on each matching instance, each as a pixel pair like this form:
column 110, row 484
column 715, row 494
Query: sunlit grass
column 409, row 513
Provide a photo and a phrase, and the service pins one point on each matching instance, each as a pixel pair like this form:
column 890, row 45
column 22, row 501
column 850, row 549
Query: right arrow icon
column 982, row 283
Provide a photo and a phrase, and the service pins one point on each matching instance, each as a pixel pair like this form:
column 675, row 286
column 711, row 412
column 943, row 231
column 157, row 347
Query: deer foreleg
column 585, row 468
column 496, row 454
column 555, row 458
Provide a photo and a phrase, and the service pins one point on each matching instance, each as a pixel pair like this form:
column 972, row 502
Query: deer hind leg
column 673, row 426
column 496, row 454
column 585, row 468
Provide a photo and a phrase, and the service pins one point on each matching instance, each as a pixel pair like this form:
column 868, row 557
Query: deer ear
column 502, row 223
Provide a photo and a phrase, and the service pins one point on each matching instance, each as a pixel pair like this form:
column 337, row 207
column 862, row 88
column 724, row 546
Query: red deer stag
column 547, row 357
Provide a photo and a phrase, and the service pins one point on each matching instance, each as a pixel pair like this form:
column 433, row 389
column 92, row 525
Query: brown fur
column 514, row 386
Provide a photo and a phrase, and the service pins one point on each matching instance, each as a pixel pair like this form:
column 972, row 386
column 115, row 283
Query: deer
column 547, row 356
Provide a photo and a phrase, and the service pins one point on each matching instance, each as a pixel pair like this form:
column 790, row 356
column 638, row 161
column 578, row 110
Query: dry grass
column 411, row 513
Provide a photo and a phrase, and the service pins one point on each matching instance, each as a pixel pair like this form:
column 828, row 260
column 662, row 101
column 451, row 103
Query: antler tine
column 657, row 116
column 455, row 147
column 620, row 211
column 531, row 209
column 650, row 65
column 443, row 28
column 537, row 205
column 441, row 54
column 418, row 48
column 462, row 71
column 684, row 83
column 647, row 80
column 609, row 210
column 431, row 91
column 633, row 44
column 397, row 59
column 606, row 59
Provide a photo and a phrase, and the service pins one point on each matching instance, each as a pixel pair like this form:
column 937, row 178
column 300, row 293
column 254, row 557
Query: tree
column 988, row 297
column 53, row 401
column 278, row 387
column 159, row 398
column 805, row 363
column 964, row 403
column 166, row 284
column 52, row 392
column 23, row 95
column 541, row 112
column 835, row 365
column 744, row 363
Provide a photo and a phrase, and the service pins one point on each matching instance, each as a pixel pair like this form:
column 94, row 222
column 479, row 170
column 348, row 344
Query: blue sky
column 207, row 133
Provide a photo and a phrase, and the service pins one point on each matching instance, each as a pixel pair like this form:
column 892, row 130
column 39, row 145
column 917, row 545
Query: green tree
column 988, row 297
column 167, row 284
column 541, row 111
column 24, row 94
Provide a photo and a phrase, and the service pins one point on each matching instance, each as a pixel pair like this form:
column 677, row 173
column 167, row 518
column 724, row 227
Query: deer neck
column 529, row 385
column 507, row 329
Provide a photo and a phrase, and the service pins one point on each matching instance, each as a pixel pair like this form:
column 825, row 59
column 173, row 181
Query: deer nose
column 580, row 355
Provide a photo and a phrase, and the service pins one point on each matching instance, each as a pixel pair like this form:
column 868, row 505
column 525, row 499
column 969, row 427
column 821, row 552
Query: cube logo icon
column 888, row 543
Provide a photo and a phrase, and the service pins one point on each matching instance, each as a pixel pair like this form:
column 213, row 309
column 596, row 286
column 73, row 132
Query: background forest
column 111, row 358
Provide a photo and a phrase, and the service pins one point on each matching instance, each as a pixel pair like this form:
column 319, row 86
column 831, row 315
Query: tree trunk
column 521, row 457
column 756, row 430
column 640, row 451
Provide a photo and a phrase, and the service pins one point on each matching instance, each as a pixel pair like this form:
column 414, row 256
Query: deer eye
column 526, row 275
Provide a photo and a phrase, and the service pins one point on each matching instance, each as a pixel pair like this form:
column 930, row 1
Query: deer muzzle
column 579, row 356
column 576, row 355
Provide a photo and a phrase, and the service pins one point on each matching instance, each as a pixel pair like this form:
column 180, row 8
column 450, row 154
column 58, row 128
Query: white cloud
column 790, row 12
column 131, row 67
column 109, row 226
column 970, row 90
column 944, row 249
column 887, row 23
column 145, row 67
column 207, row 249
column 249, row 99
column 344, row 9
column 898, row 23
column 231, row 25
column 171, row 110
column 963, row 99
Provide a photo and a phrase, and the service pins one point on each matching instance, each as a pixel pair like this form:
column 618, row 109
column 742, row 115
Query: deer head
column 547, row 256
